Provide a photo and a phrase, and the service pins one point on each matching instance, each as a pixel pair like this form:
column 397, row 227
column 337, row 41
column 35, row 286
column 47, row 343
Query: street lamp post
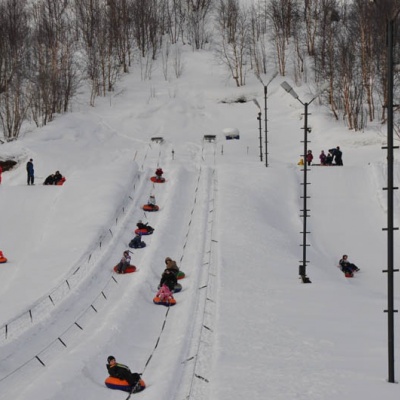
column 265, row 112
column 307, row 130
column 259, row 126
column 390, row 25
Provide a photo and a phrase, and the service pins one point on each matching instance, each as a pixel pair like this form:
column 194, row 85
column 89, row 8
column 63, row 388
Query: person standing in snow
column 309, row 157
column 31, row 172
column 322, row 158
column 337, row 155
column 122, row 371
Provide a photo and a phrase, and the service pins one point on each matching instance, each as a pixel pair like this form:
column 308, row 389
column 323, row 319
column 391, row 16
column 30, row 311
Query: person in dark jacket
column 322, row 158
column 337, row 155
column 137, row 243
column 49, row 180
column 122, row 371
column 346, row 266
column 57, row 177
column 145, row 226
column 169, row 279
column 31, row 172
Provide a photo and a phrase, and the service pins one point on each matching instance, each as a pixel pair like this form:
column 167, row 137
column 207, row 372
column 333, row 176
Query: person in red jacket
column 309, row 157
column 159, row 173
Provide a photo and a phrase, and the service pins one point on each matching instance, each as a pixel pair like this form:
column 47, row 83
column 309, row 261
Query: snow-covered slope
column 243, row 325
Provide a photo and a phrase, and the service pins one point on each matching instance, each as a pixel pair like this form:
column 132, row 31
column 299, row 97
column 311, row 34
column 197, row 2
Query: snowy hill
column 243, row 325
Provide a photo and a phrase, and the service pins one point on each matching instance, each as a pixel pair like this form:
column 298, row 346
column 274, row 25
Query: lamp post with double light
column 307, row 130
column 259, row 126
column 265, row 112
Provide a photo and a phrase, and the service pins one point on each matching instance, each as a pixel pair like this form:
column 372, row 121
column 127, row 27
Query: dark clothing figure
column 168, row 278
column 57, row 177
column 147, row 227
column 49, row 180
column 309, row 157
column 346, row 266
column 322, row 158
column 329, row 159
column 337, row 155
column 31, row 172
column 137, row 243
column 122, row 371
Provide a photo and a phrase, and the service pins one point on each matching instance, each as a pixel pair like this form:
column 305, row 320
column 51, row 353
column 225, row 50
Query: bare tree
column 234, row 37
column 14, row 32
column 54, row 76
column 197, row 18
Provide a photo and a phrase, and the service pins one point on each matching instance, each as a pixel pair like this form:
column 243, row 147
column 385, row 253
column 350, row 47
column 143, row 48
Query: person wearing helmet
column 124, row 263
column 122, row 371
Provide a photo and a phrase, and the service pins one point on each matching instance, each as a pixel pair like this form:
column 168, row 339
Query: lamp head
column 290, row 90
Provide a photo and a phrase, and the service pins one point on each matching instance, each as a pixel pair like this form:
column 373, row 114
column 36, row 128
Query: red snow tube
column 167, row 303
column 148, row 207
column 156, row 179
column 61, row 181
column 2, row 258
column 120, row 384
column 143, row 232
column 129, row 270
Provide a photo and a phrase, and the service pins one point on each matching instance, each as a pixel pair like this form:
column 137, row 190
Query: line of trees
column 342, row 42
column 50, row 48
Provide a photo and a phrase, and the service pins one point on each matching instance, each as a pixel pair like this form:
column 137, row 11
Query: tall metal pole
column 302, row 268
column 390, row 214
column 266, row 124
column 290, row 90
column 260, row 129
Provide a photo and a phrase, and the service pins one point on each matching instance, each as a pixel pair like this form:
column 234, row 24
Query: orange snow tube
column 120, row 384
column 149, row 208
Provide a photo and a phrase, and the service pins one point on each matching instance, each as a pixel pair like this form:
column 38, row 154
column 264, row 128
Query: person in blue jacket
column 31, row 172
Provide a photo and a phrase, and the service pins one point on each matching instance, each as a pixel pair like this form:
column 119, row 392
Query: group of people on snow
column 334, row 156
column 168, row 281
column 53, row 179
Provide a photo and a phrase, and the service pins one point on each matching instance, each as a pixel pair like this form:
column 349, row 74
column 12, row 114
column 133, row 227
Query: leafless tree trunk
column 234, row 37
column 54, row 75
column 197, row 17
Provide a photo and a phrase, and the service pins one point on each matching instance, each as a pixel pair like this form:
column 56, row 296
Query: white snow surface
column 244, row 325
